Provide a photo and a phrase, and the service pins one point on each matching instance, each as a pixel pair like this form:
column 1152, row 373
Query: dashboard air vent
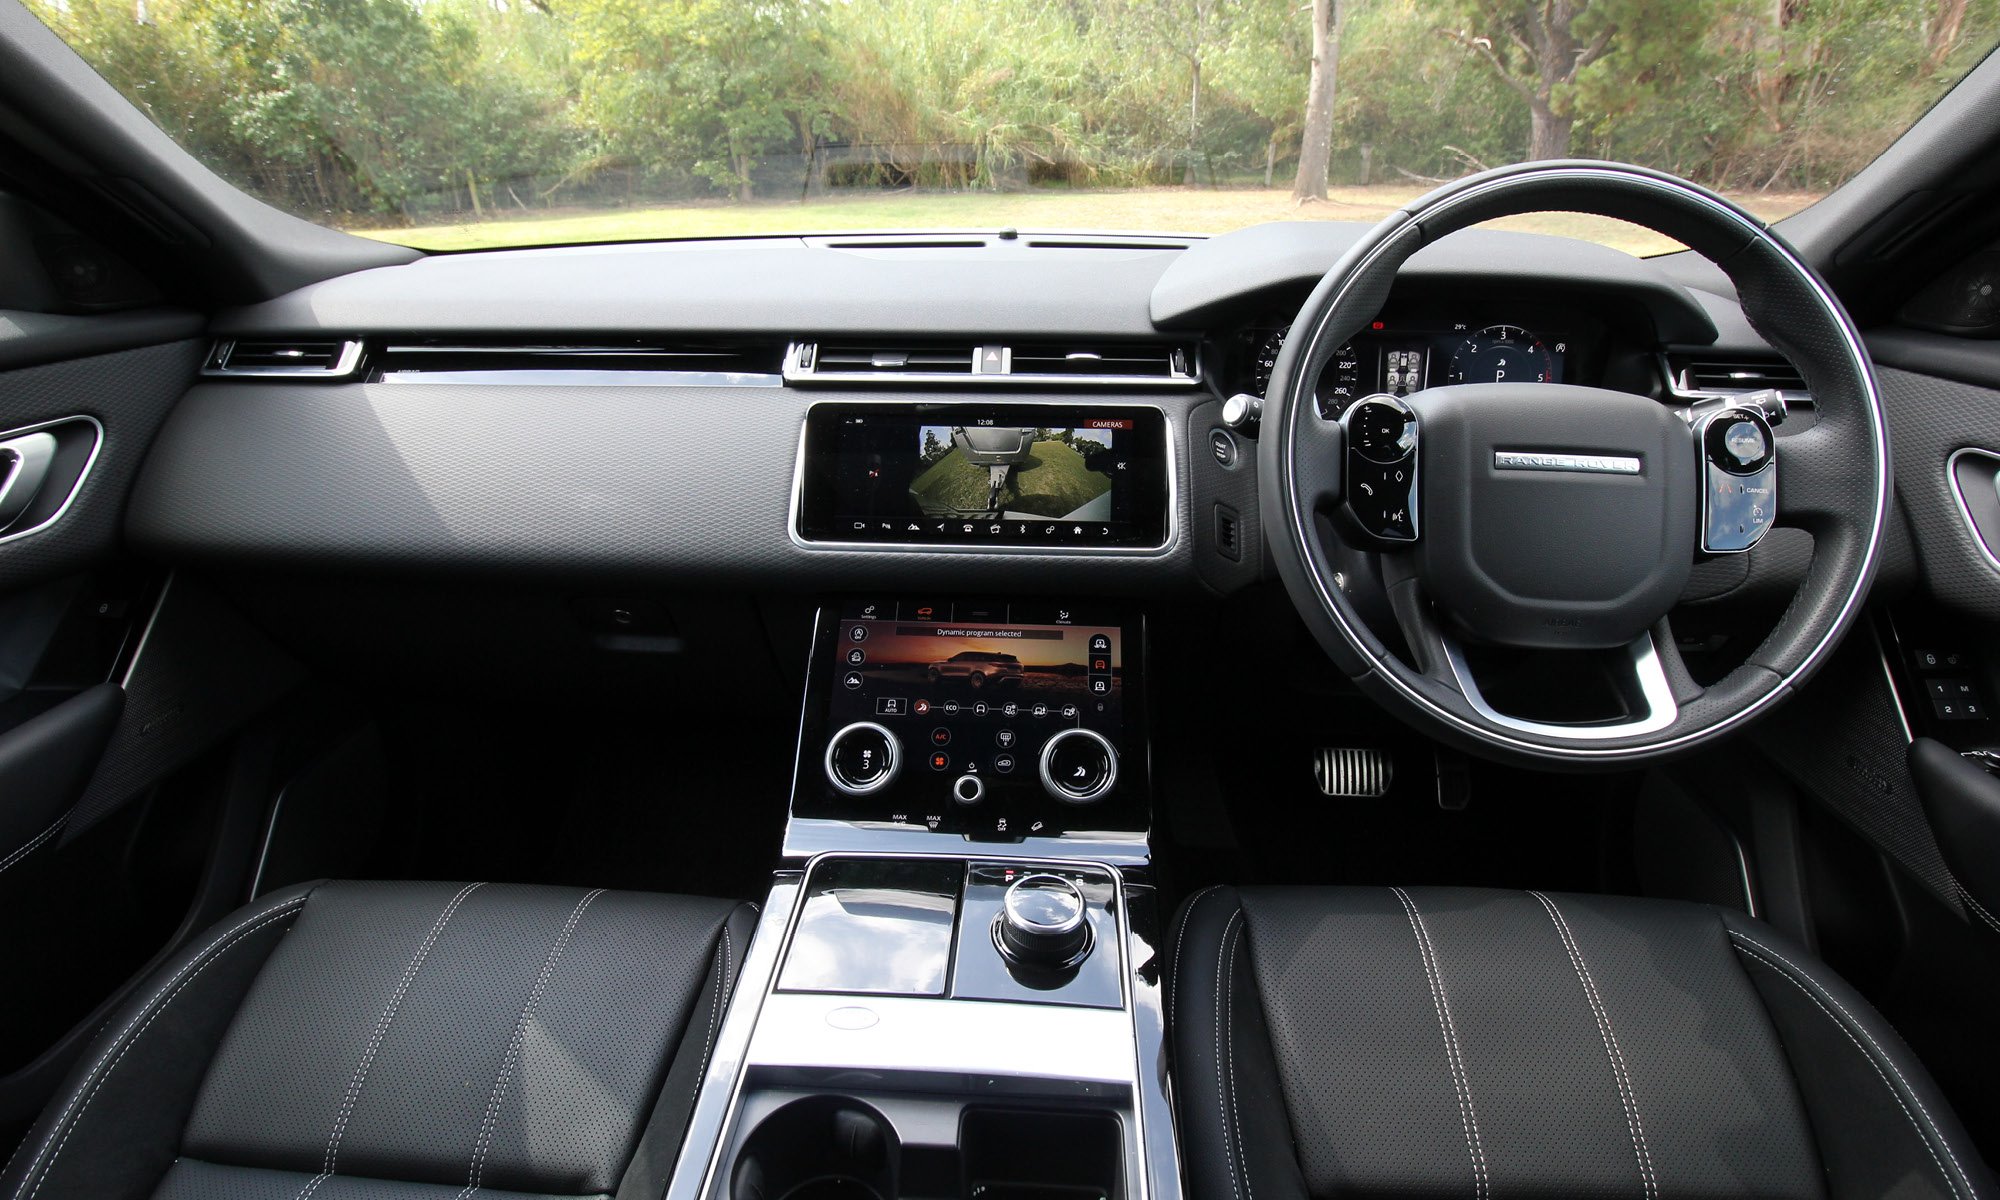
column 895, row 360
column 1129, row 364
column 1699, row 377
column 296, row 358
column 1164, row 363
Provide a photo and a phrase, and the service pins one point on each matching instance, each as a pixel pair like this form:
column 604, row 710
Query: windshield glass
column 457, row 124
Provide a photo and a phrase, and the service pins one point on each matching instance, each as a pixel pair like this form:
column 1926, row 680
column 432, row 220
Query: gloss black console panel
column 994, row 721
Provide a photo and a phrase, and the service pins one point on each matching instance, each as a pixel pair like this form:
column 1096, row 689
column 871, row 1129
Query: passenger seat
column 368, row 1041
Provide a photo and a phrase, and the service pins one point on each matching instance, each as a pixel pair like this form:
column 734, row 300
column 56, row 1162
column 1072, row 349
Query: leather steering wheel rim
column 1834, row 478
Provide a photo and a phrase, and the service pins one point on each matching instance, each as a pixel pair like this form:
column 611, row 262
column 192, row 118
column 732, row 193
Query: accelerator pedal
column 1359, row 774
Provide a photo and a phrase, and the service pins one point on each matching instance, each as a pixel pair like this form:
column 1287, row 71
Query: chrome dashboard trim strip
column 1173, row 469
column 1565, row 744
column 796, row 374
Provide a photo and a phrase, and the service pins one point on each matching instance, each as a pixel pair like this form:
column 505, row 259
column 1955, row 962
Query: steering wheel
column 1563, row 521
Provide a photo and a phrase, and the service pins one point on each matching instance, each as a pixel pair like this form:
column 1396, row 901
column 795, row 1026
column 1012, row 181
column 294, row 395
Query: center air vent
column 284, row 356
column 1123, row 364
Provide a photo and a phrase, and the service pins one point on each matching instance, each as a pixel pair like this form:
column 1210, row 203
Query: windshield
column 458, row 124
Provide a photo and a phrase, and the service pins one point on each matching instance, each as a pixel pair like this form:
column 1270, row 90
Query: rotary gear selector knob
column 1044, row 922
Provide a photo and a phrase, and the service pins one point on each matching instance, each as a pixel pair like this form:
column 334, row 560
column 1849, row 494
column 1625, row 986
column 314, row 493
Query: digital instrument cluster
column 1397, row 358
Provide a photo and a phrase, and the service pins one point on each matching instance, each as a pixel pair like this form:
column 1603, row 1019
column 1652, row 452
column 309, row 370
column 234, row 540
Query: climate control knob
column 863, row 758
column 1078, row 766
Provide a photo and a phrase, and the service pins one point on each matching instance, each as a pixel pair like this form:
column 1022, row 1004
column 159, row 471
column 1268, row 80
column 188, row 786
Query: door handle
column 24, row 468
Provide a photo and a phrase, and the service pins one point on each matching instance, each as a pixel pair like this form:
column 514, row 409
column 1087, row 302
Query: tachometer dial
column 1502, row 354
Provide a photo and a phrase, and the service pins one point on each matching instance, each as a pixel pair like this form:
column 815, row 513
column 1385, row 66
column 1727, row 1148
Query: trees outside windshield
column 482, row 122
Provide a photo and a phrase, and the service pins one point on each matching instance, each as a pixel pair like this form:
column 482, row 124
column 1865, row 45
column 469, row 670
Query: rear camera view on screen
column 1013, row 473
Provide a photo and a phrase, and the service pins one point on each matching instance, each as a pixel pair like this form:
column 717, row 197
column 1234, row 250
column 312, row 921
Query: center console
column 954, row 991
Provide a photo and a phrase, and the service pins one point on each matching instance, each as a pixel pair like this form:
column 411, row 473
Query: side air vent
column 1700, row 377
column 294, row 358
column 1130, row 364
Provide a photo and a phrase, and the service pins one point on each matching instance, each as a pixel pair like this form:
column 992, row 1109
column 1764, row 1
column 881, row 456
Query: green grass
column 1163, row 210
column 1055, row 484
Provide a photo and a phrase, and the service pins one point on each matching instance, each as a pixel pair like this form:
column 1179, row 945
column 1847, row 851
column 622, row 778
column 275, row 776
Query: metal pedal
column 1360, row 774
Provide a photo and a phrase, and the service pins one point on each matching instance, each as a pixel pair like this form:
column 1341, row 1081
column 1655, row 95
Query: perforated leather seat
column 362, row 1041
column 1470, row 1043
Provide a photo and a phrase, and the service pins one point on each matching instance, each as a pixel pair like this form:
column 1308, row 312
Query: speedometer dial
column 1502, row 354
column 1340, row 385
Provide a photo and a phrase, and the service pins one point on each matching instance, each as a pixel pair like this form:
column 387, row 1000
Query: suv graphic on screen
column 978, row 668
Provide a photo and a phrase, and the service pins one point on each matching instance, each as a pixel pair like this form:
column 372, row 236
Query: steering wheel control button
column 1044, row 923
column 1738, row 440
column 1078, row 766
column 862, row 758
column 1381, row 474
column 1739, row 479
column 968, row 789
column 1381, row 430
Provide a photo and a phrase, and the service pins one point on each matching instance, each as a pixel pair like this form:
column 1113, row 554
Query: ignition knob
column 1044, row 923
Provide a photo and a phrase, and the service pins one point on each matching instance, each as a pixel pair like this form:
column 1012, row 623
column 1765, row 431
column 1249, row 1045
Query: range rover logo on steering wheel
column 1536, row 460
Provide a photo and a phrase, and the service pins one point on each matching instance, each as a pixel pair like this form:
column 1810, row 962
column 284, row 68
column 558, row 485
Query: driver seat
column 1473, row 1043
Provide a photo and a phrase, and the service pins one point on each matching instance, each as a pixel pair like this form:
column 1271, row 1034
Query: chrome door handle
column 24, row 467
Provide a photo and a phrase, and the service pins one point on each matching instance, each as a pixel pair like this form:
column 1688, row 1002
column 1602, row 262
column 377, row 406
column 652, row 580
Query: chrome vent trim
column 1706, row 377
column 1112, row 364
column 291, row 358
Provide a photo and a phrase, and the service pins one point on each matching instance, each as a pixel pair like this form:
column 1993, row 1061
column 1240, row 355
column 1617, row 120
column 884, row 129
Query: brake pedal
column 1357, row 774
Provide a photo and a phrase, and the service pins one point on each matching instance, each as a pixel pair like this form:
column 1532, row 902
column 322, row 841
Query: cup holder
column 818, row 1148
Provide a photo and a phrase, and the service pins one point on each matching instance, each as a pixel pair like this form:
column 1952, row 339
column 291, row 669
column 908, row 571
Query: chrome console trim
column 1166, row 546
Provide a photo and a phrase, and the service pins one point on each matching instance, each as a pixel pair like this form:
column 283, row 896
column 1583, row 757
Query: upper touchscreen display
column 965, row 474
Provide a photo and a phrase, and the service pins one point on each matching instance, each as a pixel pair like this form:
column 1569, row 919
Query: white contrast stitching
column 1180, row 938
column 491, row 1120
column 312, row 1185
column 1850, row 1027
column 1221, row 1021
column 212, row 953
column 1971, row 903
column 1461, row 1082
column 24, row 851
column 724, row 947
column 382, row 1023
column 1229, row 1044
column 1627, row 1096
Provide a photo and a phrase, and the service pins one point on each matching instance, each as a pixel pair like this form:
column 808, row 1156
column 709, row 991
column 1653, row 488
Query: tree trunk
column 1316, row 146
column 1270, row 158
column 1548, row 132
column 1188, row 177
column 1942, row 37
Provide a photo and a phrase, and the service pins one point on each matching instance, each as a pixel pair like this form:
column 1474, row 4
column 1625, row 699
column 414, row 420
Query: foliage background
column 374, row 111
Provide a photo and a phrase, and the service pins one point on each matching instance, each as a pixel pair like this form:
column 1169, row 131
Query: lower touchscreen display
column 985, row 475
column 995, row 720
